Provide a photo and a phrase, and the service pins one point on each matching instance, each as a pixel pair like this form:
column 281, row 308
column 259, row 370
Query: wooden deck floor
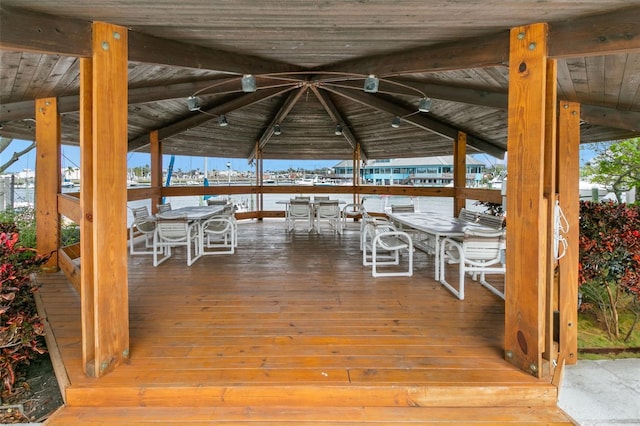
column 294, row 329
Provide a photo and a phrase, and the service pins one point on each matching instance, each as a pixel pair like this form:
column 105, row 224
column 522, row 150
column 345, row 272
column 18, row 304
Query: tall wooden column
column 459, row 172
column 569, row 198
column 47, row 185
column 156, row 169
column 86, row 222
column 527, row 225
column 109, row 143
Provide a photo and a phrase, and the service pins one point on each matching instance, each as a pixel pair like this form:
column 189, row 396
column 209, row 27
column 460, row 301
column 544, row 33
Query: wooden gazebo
column 530, row 79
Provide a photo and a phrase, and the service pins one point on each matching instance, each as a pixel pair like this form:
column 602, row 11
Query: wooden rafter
column 338, row 118
column 421, row 121
column 277, row 118
column 209, row 114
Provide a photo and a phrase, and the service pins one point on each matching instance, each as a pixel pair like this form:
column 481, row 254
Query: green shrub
column 609, row 273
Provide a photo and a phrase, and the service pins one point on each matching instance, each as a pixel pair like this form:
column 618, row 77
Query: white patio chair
column 144, row 224
column 163, row 207
column 171, row 233
column 352, row 211
column 491, row 221
column 479, row 253
column 381, row 246
column 403, row 208
column 217, row 202
column 468, row 215
column 329, row 211
column 299, row 210
column 218, row 235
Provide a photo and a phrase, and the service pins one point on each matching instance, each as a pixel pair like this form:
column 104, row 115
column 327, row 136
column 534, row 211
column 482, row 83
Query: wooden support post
column 110, row 281
column 527, row 226
column 459, row 172
column 156, row 169
column 86, row 222
column 569, row 198
column 549, row 192
column 47, row 185
column 260, row 178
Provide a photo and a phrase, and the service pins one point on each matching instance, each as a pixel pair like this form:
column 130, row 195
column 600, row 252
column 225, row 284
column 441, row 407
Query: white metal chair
column 144, row 224
column 217, row 202
column 479, row 253
column 171, row 233
column 218, row 235
column 299, row 210
column 352, row 211
column 468, row 215
column 403, row 208
column 381, row 246
column 329, row 211
column 163, row 207
column 491, row 221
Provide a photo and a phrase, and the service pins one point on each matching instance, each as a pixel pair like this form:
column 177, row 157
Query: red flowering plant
column 609, row 273
column 21, row 329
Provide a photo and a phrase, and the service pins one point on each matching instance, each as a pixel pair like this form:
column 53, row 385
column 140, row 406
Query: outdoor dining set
column 202, row 230
column 473, row 241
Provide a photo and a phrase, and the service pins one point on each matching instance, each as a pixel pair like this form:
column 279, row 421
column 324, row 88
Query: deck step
column 300, row 416
column 444, row 395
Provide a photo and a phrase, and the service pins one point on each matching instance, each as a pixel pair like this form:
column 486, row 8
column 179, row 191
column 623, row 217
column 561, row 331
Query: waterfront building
column 420, row 171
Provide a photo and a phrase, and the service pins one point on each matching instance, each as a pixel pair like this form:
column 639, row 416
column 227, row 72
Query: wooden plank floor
column 292, row 328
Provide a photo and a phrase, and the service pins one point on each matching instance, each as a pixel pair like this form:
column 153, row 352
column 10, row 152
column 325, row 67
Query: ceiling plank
column 421, row 121
column 209, row 114
column 605, row 34
column 36, row 32
column 337, row 118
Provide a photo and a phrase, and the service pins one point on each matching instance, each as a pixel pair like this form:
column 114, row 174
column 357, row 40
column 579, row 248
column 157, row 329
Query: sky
column 71, row 158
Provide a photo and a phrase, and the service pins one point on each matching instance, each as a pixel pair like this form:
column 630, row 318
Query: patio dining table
column 437, row 226
column 193, row 214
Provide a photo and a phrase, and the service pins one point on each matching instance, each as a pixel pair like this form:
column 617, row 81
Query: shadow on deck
column 292, row 329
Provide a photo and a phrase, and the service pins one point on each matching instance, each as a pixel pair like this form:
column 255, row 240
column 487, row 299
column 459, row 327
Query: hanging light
column 371, row 84
column 425, row 105
column 222, row 121
column 338, row 130
column 193, row 103
column 248, row 83
column 276, row 130
column 395, row 123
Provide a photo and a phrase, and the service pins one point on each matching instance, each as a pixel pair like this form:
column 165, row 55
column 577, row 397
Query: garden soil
column 36, row 395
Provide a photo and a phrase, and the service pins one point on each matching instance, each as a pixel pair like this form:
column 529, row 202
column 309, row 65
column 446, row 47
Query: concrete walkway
column 597, row 393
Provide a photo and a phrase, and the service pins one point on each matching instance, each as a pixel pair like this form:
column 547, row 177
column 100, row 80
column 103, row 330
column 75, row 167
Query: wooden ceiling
column 310, row 59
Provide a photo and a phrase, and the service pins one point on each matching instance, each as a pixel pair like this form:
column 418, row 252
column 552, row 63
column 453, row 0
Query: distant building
column 421, row 171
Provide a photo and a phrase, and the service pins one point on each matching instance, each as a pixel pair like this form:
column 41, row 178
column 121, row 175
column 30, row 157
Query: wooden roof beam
column 337, row 118
column 475, row 52
column 418, row 120
column 23, row 30
column 200, row 118
column 277, row 119
column 605, row 34
column 616, row 32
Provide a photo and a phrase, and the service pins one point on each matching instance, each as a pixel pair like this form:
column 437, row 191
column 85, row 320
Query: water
column 374, row 203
